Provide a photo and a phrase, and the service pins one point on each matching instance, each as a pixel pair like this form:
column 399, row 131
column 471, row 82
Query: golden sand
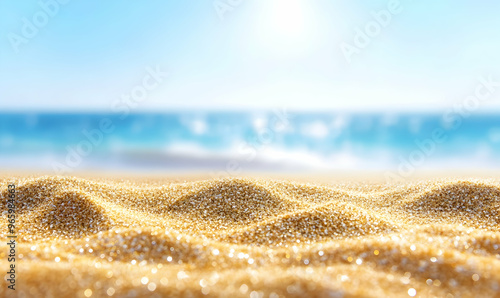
column 253, row 238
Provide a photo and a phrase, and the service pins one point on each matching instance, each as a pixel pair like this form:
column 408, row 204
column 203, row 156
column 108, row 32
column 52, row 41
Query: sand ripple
column 257, row 238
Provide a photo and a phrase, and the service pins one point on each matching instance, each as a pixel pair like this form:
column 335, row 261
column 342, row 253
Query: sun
column 286, row 25
column 288, row 17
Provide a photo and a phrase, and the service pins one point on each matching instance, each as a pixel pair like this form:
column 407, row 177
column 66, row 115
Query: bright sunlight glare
column 287, row 26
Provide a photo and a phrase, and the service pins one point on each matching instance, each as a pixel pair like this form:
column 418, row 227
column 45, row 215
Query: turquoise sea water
column 234, row 141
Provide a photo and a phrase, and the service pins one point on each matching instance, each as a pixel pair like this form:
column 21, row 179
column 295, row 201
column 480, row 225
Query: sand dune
column 254, row 237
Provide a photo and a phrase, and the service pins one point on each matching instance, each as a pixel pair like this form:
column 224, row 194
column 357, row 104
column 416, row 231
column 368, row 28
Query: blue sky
column 261, row 54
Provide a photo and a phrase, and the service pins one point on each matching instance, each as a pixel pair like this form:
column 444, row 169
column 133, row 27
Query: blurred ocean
column 247, row 141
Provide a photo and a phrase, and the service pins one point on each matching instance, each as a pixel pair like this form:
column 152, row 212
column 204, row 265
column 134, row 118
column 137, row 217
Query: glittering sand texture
column 254, row 238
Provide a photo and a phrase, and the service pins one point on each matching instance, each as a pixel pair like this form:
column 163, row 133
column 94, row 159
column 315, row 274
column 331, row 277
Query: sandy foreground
column 251, row 237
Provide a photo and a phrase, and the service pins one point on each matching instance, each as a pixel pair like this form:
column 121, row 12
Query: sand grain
column 254, row 238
